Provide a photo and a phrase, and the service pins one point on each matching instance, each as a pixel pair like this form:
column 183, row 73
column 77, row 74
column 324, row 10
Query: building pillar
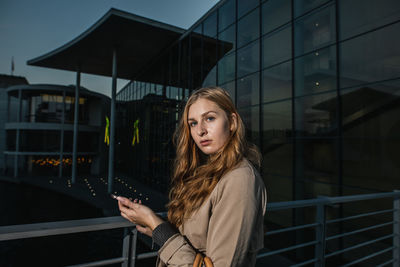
column 17, row 133
column 60, row 169
column 76, row 118
column 112, row 124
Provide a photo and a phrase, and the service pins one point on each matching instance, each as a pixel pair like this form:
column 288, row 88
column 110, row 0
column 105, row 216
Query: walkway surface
column 93, row 190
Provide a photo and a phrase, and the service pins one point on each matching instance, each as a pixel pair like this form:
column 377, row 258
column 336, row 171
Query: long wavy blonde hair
column 195, row 175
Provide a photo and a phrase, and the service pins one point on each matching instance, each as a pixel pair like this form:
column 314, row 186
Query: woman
column 217, row 199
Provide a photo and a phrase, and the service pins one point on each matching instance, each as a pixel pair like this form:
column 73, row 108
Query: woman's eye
column 192, row 124
column 210, row 118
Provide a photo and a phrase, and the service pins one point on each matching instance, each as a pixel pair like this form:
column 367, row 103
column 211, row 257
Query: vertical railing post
column 129, row 248
column 396, row 230
column 320, row 233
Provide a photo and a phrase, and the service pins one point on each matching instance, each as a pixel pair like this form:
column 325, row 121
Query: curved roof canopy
column 137, row 40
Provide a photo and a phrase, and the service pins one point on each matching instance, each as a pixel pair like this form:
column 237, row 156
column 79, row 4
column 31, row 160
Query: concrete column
column 17, row 134
column 112, row 124
column 62, row 138
column 76, row 118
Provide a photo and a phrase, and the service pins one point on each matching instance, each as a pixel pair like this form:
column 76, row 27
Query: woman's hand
column 144, row 218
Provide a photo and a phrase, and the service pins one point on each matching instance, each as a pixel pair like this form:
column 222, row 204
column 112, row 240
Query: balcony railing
column 317, row 224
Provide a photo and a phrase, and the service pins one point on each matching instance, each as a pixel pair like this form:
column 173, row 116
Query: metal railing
column 317, row 224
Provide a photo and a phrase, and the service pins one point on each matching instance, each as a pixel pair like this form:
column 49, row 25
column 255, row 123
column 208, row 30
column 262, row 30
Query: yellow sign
column 107, row 134
column 135, row 132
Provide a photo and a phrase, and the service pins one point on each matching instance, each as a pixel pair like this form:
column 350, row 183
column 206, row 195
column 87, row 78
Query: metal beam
column 112, row 123
column 76, row 118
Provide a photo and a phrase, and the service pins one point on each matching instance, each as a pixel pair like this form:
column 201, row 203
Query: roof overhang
column 137, row 40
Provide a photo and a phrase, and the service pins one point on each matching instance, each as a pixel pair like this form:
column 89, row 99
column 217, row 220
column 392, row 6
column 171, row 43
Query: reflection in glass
column 316, row 72
column 275, row 13
column 227, row 14
column 372, row 111
column 248, row 59
column 248, row 28
column 246, row 6
column 211, row 78
column 316, row 167
column 226, row 68
column 316, row 115
column 315, row 30
column 251, row 120
column 371, row 163
column 371, row 57
column 230, row 88
column 227, row 39
column 373, row 14
column 277, row 47
column 277, row 82
column 248, row 90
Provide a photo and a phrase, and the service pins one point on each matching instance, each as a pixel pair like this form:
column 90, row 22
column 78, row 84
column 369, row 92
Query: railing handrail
column 13, row 232
column 103, row 223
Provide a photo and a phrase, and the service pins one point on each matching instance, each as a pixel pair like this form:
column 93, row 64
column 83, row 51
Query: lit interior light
column 316, row 53
column 316, row 24
column 317, row 83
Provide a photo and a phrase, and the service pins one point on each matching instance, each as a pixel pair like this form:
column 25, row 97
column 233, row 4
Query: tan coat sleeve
column 236, row 225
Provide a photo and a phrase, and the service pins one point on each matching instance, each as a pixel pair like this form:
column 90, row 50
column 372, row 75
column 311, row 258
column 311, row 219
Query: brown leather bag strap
column 198, row 260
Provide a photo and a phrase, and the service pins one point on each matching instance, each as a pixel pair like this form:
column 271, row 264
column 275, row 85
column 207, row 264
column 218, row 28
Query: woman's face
column 209, row 125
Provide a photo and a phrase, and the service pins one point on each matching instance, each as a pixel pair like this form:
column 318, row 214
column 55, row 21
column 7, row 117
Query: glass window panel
column 275, row 13
column 280, row 188
column 303, row 6
column 371, row 163
column 315, row 30
column 316, row 72
column 316, row 115
column 248, row 89
column 198, row 29
column 227, row 39
column 210, row 25
column 230, row 88
column 248, row 60
column 227, row 14
column 39, row 141
column 248, row 28
column 372, row 111
column 371, row 57
column 246, row 6
column 277, row 131
column 316, row 162
column 226, row 68
column 370, row 15
column 11, row 140
column 277, row 82
column 211, row 78
column 277, row 47
column 250, row 117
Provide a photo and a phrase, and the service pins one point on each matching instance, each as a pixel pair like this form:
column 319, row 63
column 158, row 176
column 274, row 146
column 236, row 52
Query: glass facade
column 317, row 87
column 41, row 137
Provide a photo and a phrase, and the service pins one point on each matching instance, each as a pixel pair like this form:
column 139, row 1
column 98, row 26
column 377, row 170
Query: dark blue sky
column 31, row 28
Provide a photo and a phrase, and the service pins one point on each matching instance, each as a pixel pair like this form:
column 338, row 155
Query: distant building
column 40, row 130
column 5, row 82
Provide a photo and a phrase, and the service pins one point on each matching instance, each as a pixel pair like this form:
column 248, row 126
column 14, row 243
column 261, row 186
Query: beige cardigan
column 228, row 227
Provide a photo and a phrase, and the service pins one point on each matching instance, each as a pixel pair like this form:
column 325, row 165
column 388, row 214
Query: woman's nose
column 201, row 130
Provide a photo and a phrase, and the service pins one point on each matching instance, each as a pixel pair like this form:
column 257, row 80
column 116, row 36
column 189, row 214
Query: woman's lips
column 205, row 142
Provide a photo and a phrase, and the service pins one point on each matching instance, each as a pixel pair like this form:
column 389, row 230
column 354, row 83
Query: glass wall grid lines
column 248, row 28
column 315, row 30
column 226, row 15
